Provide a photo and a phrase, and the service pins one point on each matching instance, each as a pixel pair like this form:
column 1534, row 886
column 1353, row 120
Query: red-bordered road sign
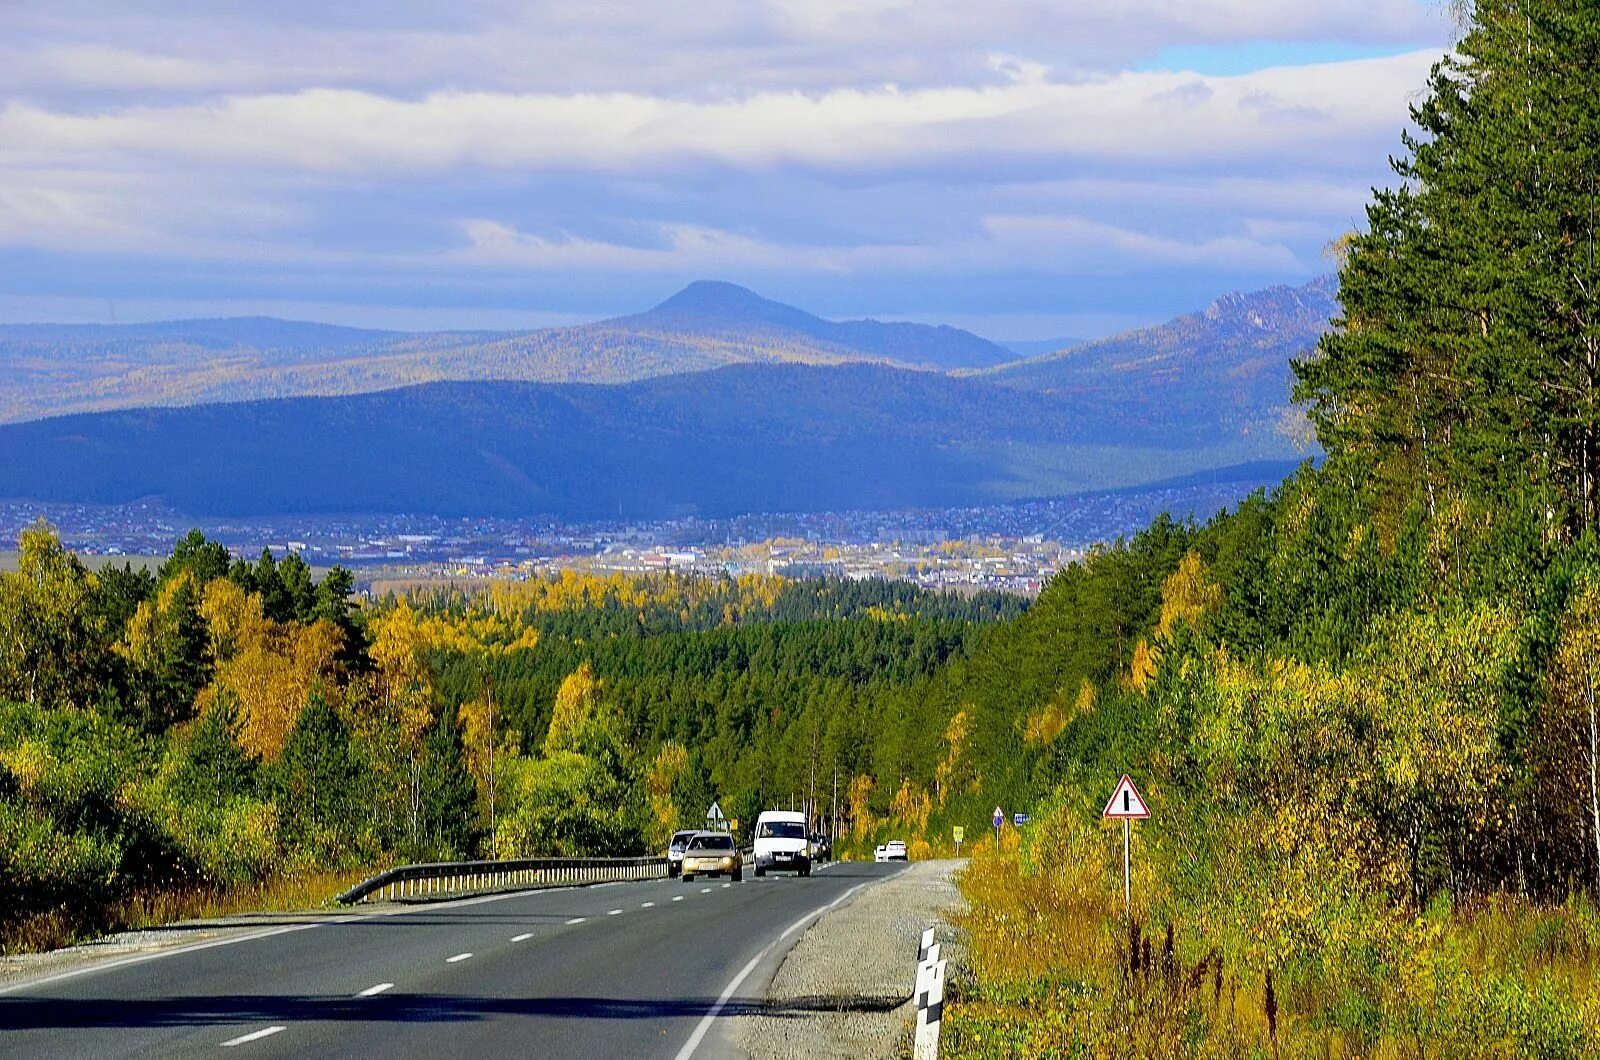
column 1126, row 802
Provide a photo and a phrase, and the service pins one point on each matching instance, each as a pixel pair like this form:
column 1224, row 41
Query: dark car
column 675, row 851
column 821, row 847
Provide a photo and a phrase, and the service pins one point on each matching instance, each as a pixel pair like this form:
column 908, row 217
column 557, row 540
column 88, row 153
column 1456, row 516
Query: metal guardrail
column 457, row 877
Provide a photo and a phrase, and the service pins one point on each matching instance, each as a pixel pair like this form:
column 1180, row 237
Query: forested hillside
column 1363, row 708
column 221, row 733
column 749, row 438
column 1227, row 366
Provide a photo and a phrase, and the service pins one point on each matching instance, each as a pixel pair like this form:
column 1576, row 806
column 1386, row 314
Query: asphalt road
column 653, row 968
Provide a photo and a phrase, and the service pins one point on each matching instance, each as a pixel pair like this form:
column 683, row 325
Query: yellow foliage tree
column 269, row 669
column 577, row 701
column 663, row 774
column 954, row 772
column 859, row 798
column 912, row 806
column 1188, row 595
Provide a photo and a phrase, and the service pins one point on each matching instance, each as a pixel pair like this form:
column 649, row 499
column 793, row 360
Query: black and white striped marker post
column 930, row 999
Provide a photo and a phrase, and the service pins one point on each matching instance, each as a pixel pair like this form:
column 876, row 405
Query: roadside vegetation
column 1363, row 708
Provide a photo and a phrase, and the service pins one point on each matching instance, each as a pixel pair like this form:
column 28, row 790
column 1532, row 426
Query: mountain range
column 54, row 368
column 714, row 402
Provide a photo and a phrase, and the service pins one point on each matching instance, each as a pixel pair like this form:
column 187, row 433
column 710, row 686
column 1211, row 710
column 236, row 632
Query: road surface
column 653, row 968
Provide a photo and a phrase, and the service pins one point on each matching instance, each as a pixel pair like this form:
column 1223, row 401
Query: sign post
column 999, row 819
column 1126, row 805
column 960, row 833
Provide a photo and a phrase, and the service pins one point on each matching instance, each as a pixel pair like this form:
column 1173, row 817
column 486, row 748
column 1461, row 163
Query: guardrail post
column 930, row 1009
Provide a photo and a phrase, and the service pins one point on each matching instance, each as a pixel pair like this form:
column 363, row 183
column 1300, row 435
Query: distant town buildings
column 1015, row 547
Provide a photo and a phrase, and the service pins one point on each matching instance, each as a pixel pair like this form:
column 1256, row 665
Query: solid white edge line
column 524, row 937
column 252, row 1036
column 457, row 957
column 577, row 920
column 709, row 1018
column 373, row 991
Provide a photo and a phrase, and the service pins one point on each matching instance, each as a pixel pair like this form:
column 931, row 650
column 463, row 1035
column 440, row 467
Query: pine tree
column 1468, row 357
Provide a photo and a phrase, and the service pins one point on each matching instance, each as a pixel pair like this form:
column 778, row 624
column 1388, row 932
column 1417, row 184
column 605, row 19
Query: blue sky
column 1026, row 168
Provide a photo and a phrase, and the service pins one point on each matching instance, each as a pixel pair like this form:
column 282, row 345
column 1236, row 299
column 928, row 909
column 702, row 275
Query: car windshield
column 781, row 830
column 711, row 842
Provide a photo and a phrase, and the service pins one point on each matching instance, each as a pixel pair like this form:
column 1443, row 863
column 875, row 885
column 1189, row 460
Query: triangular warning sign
column 1126, row 801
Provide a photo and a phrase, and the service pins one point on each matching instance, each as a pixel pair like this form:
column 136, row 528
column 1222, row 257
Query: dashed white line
column 524, row 937
column 374, row 990
column 705, row 890
column 614, row 912
column 577, row 920
column 727, row 885
column 677, row 898
column 457, row 957
column 647, row 905
column 252, row 1036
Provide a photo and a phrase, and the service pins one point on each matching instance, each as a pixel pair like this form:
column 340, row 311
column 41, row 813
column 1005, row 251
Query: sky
column 1029, row 169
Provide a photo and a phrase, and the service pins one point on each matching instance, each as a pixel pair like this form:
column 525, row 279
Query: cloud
column 1126, row 118
column 1053, row 242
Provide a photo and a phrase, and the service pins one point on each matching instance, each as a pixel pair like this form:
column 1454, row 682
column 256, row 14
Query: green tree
column 448, row 798
column 206, row 560
column 319, row 780
column 54, row 641
column 212, row 766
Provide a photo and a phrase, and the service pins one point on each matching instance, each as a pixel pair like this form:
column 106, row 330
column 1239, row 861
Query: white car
column 893, row 850
column 781, row 844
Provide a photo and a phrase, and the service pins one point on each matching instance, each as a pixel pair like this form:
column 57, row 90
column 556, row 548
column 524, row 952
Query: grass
column 157, row 907
column 1050, row 968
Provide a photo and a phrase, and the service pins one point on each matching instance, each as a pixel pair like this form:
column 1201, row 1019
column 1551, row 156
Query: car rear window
column 781, row 830
column 711, row 842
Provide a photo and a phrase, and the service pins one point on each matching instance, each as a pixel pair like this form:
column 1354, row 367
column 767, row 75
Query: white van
column 781, row 843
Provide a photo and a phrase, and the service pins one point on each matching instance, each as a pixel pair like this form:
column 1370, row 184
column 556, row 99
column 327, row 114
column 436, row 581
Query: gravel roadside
column 845, row 988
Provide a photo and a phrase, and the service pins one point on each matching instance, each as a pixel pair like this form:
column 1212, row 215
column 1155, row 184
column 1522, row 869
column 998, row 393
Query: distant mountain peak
column 716, row 306
column 721, row 302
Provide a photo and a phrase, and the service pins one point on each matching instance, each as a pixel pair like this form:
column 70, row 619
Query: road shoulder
column 844, row 989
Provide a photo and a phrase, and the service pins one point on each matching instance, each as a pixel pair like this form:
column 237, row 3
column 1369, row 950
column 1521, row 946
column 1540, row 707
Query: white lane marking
column 705, row 890
column 614, row 912
column 704, row 1025
column 255, row 936
column 374, row 990
column 727, row 885
column 252, row 1036
column 524, row 937
column 457, row 957
column 677, row 898
column 647, row 905
column 577, row 920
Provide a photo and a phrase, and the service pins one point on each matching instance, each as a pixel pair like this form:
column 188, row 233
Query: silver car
column 675, row 851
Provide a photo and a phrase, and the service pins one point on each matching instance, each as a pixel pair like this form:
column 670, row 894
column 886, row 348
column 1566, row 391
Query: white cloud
column 1072, row 245
column 1125, row 118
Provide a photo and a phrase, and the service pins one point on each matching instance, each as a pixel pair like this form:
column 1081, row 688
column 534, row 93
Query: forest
column 219, row 733
column 1363, row 708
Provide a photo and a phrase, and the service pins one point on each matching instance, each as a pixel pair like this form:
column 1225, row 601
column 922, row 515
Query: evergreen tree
column 448, row 797
column 212, row 766
column 206, row 560
column 319, row 778
column 1468, row 357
